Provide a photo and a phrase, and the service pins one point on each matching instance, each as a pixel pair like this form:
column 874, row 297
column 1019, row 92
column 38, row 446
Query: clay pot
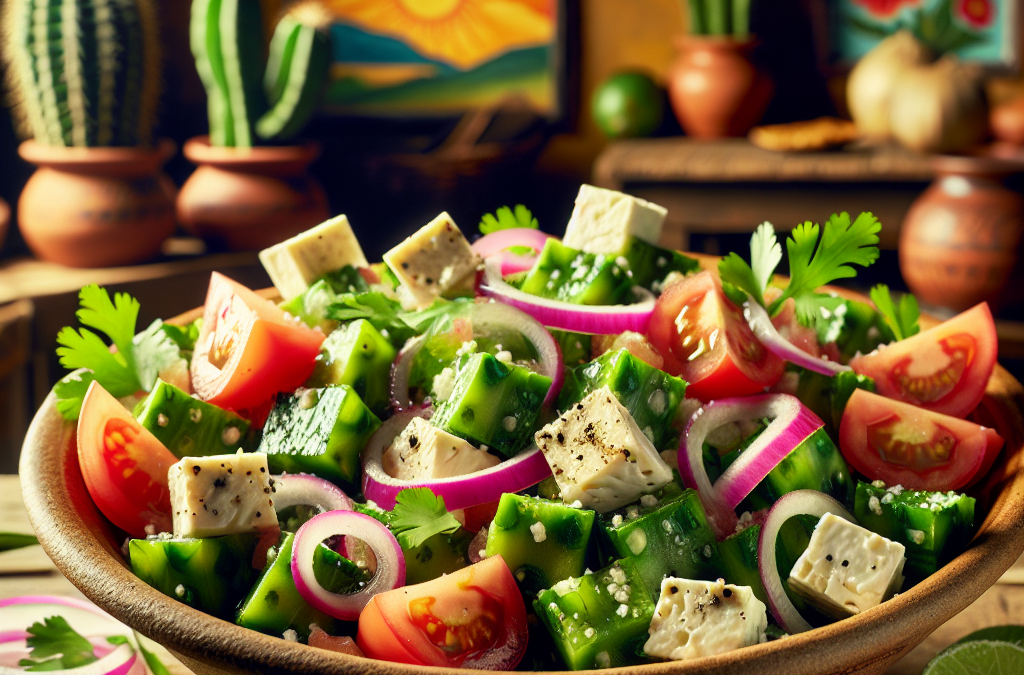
column 5, row 220
column 714, row 87
column 247, row 199
column 960, row 241
column 1007, row 121
column 96, row 207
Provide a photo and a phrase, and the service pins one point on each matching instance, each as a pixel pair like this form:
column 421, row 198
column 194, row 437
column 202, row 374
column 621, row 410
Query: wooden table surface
column 29, row 572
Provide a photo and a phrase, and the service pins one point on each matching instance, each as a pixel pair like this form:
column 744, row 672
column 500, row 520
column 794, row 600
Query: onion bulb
column 873, row 81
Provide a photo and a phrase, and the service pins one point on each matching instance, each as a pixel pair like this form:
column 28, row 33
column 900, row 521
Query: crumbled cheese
column 162, row 420
column 602, row 660
column 616, row 520
column 875, row 505
column 290, row 635
column 632, row 513
column 916, row 536
column 466, row 348
column 622, row 611
column 648, row 501
column 539, row 532
column 504, row 356
column 576, row 505
column 509, row 423
column 443, row 385
column 179, row 591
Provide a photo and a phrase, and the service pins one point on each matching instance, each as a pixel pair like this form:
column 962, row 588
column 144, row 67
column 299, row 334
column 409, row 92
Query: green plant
column 719, row 17
column 83, row 72
column 243, row 104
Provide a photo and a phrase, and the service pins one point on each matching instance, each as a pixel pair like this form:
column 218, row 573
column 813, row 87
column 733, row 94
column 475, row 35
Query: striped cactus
column 300, row 59
column 83, row 72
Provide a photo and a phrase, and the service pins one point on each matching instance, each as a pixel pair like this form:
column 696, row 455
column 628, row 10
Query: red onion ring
column 793, row 422
column 513, row 475
column 390, row 572
column 597, row 320
column 496, row 242
column 759, row 321
column 796, row 503
column 512, row 263
column 303, row 489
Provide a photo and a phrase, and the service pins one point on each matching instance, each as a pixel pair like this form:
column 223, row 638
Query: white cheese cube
column 847, row 569
column 423, row 452
column 599, row 456
column 604, row 220
column 703, row 618
column 221, row 494
column 432, row 261
column 294, row 264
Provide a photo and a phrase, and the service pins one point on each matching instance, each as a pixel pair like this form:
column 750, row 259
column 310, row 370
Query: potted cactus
column 251, row 188
column 715, row 89
column 84, row 79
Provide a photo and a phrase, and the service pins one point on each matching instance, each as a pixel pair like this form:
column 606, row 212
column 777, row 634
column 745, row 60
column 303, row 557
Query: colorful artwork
column 983, row 31
column 441, row 56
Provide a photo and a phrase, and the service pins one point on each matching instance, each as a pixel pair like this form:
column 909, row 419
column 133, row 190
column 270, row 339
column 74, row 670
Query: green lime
column 1014, row 634
column 628, row 105
column 981, row 657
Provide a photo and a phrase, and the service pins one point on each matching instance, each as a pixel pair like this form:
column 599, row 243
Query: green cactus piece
column 83, row 72
column 300, row 58
column 227, row 42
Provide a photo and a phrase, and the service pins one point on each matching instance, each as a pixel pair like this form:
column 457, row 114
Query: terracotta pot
column 250, row 198
column 961, row 239
column 5, row 220
column 1007, row 122
column 96, row 207
column 714, row 87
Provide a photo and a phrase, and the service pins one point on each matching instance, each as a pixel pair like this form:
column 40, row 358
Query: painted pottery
column 87, row 549
column 960, row 241
column 714, row 87
column 250, row 198
column 96, row 207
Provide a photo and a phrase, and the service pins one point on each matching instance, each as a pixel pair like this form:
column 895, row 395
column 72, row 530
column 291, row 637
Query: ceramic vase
column 96, row 207
column 250, row 198
column 715, row 89
column 960, row 241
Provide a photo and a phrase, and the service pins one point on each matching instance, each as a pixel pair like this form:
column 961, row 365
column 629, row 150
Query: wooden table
column 29, row 571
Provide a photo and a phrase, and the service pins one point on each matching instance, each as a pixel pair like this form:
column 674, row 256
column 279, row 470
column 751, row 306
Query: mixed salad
column 536, row 453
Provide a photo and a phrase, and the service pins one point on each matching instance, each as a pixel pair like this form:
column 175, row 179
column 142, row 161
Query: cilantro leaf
column 55, row 645
column 825, row 313
column 154, row 350
column 184, row 336
column 765, row 256
column 70, row 391
column 419, row 514
column 376, row 308
column 505, row 219
column 813, row 264
column 900, row 319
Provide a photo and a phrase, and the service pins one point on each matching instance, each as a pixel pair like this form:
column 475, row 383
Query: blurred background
column 727, row 112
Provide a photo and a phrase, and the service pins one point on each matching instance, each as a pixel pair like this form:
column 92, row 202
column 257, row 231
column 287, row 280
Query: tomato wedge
column 248, row 350
column 919, row 449
column 705, row 340
column 944, row 369
column 124, row 465
column 473, row 618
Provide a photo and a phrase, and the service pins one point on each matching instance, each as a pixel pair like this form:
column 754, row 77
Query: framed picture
column 986, row 32
column 438, row 58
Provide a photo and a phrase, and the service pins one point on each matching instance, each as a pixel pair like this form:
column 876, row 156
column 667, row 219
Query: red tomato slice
column 705, row 340
column 124, row 465
column 247, row 349
column 473, row 618
column 919, row 449
column 944, row 369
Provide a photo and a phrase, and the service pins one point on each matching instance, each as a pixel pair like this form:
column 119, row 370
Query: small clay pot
column 245, row 199
column 714, row 87
column 96, row 207
column 960, row 241
column 1007, row 121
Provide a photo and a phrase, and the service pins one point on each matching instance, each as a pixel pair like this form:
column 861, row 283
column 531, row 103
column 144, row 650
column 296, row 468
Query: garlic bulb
column 939, row 107
column 872, row 81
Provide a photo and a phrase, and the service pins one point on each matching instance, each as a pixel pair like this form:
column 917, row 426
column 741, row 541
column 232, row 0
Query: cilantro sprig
column 133, row 367
column 814, row 261
column 505, row 219
column 55, row 645
column 900, row 318
column 387, row 314
column 418, row 515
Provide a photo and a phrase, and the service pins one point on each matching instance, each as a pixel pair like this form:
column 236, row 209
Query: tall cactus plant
column 226, row 43
column 83, row 72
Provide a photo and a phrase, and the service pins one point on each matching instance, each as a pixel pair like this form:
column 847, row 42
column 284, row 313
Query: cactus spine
column 83, row 72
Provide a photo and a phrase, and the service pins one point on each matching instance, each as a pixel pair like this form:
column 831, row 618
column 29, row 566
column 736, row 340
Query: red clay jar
column 714, row 87
column 247, row 199
column 96, row 207
column 960, row 241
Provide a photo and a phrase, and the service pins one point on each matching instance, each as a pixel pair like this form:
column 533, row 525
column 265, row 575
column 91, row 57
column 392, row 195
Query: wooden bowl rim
column 81, row 549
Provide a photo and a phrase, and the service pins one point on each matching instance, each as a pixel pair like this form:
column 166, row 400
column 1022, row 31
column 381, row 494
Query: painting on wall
column 439, row 57
column 982, row 31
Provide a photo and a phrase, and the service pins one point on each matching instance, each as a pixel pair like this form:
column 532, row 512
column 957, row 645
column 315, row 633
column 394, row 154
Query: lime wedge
column 1014, row 634
column 982, row 657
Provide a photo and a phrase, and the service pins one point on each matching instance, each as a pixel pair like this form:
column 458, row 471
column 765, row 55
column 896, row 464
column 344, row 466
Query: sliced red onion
column 484, row 317
column 302, row 489
column 792, row 423
column 499, row 241
column 512, row 263
column 594, row 319
column 461, row 492
column 390, row 571
column 761, row 324
column 796, row 503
